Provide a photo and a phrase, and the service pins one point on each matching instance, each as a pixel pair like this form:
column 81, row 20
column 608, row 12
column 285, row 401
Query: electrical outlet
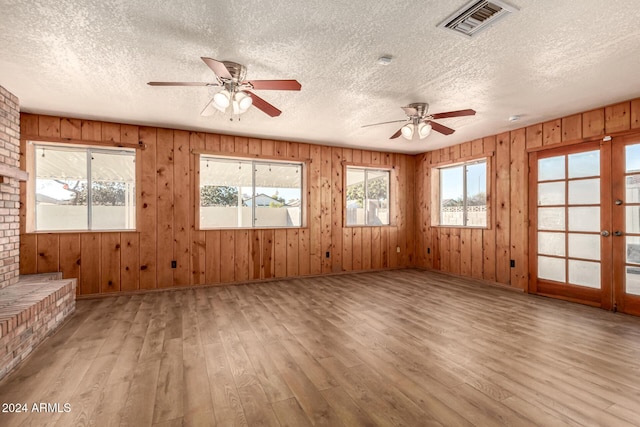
column 327, row 254
column 428, row 251
column 513, row 263
column 398, row 249
column 174, row 264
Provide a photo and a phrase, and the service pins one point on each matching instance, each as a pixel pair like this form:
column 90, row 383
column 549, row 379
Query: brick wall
column 9, row 189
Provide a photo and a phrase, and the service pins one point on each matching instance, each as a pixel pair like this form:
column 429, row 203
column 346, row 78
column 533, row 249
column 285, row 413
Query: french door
column 584, row 211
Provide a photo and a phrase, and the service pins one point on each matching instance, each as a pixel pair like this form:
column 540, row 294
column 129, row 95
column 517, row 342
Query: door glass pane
column 632, row 156
column 633, row 250
column 551, row 243
column 551, row 219
column 584, row 192
column 551, row 193
column 584, row 273
column 633, row 280
column 551, row 168
column 633, row 219
column 633, row 189
column 584, row 219
column 584, row 246
column 551, row 268
column 584, row 164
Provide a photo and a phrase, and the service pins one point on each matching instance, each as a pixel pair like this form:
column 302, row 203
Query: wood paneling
column 166, row 229
column 488, row 253
column 167, row 206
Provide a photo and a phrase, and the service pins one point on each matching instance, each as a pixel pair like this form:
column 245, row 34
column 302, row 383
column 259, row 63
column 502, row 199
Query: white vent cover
column 476, row 16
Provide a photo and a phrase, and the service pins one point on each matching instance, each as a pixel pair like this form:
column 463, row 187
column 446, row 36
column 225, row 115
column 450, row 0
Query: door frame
column 624, row 302
column 602, row 297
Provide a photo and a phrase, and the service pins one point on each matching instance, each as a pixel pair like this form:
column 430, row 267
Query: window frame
column 30, row 163
column 436, row 190
column 253, row 160
column 390, row 192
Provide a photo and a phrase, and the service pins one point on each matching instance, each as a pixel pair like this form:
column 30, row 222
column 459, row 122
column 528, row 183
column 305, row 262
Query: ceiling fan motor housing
column 421, row 109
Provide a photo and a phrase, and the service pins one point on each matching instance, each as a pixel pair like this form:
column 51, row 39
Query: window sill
column 476, row 227
column 367, row 226
column 250, row 228
column 79, row 231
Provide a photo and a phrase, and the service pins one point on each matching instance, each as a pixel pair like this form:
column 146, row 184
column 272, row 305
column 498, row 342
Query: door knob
column 617, row 233
column 605, row 233
column 618, row 202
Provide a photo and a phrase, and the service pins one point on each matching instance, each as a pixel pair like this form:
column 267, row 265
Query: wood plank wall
column 486, row 253
column 129, row 261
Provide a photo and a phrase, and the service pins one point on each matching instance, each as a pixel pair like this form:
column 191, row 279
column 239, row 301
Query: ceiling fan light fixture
column 241, row 102
column 407, row 131
column 222, row 99
column 424, row 129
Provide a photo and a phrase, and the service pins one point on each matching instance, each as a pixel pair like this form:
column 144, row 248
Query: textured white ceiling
column 92, row 59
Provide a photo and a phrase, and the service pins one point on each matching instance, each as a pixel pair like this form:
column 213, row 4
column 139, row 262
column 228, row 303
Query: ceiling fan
column 421, row 123
column 235, row 90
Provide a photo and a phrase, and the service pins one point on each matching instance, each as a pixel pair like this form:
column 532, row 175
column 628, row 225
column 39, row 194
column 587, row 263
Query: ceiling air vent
column 476, row 16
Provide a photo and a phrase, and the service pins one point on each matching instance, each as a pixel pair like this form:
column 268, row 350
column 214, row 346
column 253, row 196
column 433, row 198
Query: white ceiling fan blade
column 208, row 109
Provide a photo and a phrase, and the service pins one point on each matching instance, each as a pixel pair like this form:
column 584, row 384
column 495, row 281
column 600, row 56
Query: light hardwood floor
column 402, row 347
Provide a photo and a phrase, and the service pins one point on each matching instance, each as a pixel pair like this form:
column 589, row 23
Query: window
column 238, row 193
column 367, row 199
column 463, row 194
column 81, row 188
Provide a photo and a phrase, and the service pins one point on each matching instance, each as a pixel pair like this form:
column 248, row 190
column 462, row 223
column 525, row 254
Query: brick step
column 30, row 311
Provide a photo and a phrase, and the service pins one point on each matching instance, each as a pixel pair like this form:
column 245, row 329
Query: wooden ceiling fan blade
column 384, row 123
column 217, row 67
column 397, row 134
column 180, row 84
column 264, row 106
column 458, row 113
column 275, row 84
column 440, row 128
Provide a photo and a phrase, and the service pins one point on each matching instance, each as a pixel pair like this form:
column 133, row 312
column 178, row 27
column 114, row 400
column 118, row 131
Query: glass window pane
column 225, row 193
column 355, row 196
column 551, row 168
column 584, row 246
column 632, row 156
column 377, row 201
column 113, row 193
column 61, row 188
column 584, row 164
column 632, row 285
column 584, row 192
column 551, row 193
column 633, row 249
column 451, row 196
column 551, row 243
column 477, row 194
column 633, row 219
column 584, row 219
column 633, row 189
column 278, row 196
column 551, row 219
column 584, row 273
column 551, row 269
